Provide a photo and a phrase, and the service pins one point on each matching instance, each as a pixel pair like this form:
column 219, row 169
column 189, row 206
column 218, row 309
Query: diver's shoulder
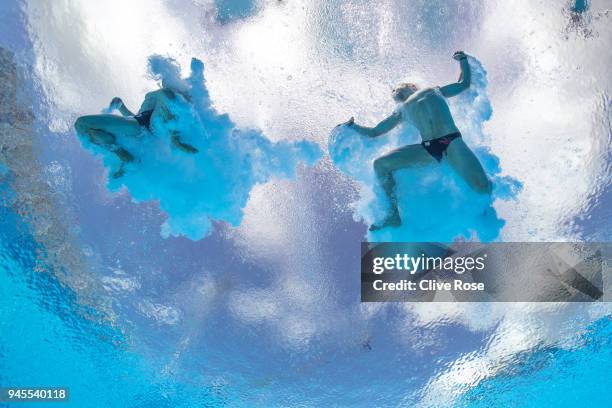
column 420, row 94
column 429, row 90
column 151, row 96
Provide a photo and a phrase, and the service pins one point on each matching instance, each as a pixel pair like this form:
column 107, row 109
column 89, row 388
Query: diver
column 427, row 110
column 102, row 129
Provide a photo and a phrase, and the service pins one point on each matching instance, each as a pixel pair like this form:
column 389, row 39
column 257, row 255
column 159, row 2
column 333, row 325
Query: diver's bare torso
column 150, row 101
column 428, row 111
column 155, row 99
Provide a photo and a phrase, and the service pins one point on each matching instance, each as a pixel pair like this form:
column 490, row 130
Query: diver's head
column 168, row 73
column 403, row 91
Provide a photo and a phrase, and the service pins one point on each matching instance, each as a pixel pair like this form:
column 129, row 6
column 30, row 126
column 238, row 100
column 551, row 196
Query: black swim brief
column 437, row 147
column 144, row 118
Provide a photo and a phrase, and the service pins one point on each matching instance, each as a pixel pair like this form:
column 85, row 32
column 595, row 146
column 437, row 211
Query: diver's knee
column 83, row 123
column 79, row 125
column 379, row 166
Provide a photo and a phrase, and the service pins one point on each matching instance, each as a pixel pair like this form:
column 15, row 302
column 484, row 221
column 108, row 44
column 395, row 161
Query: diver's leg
column 402, row 158
column 176, row 141
column 101, row 130
column 107, row 140
column 112, row 124
column 465, row 162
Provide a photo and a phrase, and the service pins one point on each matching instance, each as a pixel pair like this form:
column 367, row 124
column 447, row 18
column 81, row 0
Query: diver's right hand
column 459, row 55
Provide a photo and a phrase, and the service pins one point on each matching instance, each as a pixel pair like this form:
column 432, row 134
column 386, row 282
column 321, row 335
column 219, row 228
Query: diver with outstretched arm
column 427, row 110
column 103, row 129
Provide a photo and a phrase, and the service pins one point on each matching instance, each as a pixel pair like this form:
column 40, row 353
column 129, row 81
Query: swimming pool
column 266, row 312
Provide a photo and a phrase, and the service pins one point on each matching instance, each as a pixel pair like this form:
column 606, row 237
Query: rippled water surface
column 267, row 313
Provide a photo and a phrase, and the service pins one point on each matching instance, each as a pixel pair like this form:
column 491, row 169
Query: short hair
column 405, row 85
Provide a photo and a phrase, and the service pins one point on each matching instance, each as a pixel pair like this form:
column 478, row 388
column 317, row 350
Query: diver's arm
column 380, row 129
column 118, row 104
column 464, row 79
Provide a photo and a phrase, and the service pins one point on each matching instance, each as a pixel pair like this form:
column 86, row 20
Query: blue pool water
column 256, row 304
column 49, row 340
column 553, row 377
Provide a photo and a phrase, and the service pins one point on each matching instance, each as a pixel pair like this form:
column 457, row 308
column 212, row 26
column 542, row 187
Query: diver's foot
column 393, row 220
column 119, row 173
column 123, row 155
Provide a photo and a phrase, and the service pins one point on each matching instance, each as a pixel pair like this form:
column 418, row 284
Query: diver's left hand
column 116, row 102
column 459, row 55
column 349, row 123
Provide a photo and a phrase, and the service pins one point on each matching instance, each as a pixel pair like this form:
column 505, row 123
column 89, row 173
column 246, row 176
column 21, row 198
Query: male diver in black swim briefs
column 427, row 110
column 103, row 129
